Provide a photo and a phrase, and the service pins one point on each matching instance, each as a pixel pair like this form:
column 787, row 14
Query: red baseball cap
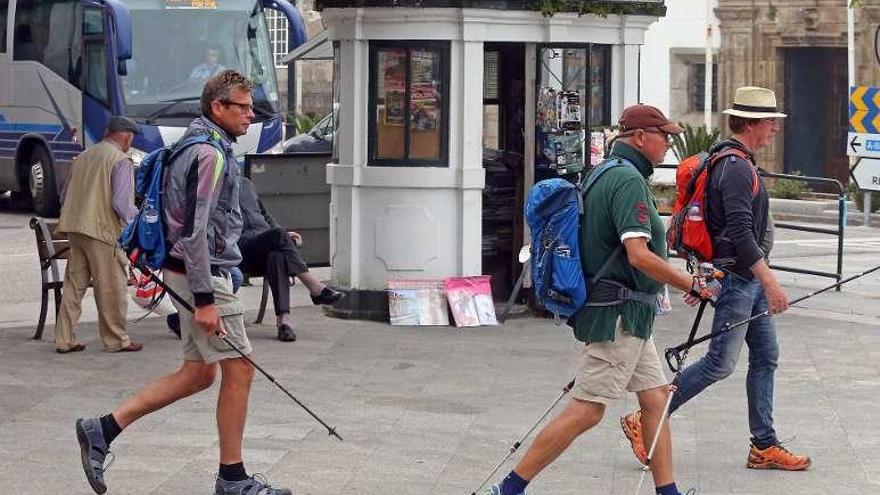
column 645, row 116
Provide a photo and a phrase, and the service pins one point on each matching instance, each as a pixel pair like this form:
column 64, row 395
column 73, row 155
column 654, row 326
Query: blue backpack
column 143, row 239
column 554, row 209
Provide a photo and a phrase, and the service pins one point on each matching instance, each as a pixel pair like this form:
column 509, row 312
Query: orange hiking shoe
column 631, row 424
column 776, row 457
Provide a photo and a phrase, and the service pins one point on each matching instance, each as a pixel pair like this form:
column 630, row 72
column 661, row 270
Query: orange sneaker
column 776, row 457
column 631, row 424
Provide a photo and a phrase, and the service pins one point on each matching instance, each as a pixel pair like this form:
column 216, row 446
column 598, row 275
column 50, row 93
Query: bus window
column 4, row 7
column 46, row 32
column 96, row 72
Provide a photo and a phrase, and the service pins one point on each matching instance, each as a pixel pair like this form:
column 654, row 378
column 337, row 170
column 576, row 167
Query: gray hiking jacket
column 200, row 202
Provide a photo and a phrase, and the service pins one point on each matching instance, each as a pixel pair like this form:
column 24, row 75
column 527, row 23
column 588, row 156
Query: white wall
column 683, row 27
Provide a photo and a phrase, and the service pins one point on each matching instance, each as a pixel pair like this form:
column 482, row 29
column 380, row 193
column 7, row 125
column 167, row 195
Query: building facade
column 798, row 48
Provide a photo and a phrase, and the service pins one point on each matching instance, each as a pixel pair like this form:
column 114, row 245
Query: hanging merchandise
column 569, row 105
column 568, row 152
column 560, row 136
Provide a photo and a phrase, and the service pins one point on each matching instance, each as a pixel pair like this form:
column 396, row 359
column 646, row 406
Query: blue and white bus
column 66, row 66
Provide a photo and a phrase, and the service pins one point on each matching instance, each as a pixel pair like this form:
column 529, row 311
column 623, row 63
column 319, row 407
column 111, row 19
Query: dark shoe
column 255, row 485
column 285, row 333
column 132, row 347
column 173, row 322
column 327, row 296
column 73, row 348
column 93, row 451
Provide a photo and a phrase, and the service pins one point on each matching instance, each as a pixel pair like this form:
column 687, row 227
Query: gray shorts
column 627, row 363
column 198, row 345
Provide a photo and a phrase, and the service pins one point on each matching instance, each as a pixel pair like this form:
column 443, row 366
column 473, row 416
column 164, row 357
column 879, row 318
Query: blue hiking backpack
column 143, row 239
column 554, row 209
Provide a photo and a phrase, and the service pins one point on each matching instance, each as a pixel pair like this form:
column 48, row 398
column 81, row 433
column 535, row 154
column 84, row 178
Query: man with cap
column 619, row 353
column 738, row 220
column 98, row 203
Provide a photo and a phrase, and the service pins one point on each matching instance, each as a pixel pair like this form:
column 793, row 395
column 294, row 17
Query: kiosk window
column 585, row 69
column 408, row 104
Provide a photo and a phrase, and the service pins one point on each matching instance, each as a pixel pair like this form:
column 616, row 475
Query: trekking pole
column 673, row 352
column 676, row 368
column 518, row 444
column 330, row 430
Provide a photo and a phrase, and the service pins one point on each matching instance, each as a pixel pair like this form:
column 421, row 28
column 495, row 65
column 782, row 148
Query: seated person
column 209, row 67
column 271, row 251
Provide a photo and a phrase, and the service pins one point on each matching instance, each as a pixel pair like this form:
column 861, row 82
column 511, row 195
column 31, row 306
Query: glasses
column 666, row 135
column 773, row 121
column 243, row 107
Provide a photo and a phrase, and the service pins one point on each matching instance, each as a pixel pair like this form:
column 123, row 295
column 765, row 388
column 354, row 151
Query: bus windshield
column 179, row 44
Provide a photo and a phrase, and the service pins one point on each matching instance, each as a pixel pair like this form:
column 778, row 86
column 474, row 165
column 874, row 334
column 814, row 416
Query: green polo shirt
column 620, row 202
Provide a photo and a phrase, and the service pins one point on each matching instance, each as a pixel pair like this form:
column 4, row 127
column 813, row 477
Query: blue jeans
column 739, row 299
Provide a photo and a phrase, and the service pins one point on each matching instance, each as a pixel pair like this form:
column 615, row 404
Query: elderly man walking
column 619, row 352
column 738, row 220
column 98, row 203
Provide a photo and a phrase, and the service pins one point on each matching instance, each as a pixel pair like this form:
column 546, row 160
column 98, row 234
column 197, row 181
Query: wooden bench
column 51, row 246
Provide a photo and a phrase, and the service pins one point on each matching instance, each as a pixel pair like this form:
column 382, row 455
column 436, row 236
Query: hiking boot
column 776, row 457
column 93, row 450
column 631, row 424
column 496, row 490
column 327, row 296
column 285, row 333
column 255, row 485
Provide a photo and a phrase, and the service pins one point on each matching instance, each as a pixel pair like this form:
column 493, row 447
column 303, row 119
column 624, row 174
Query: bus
column 66, row 66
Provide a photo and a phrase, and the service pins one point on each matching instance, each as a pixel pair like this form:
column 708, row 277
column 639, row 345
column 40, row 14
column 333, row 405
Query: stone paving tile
column 432, row 410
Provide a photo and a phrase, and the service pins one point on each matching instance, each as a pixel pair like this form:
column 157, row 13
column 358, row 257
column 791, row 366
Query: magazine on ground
column 471, row 300
column 417, row 302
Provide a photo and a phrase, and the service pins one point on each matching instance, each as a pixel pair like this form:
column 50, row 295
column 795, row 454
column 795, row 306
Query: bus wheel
column 41, row 183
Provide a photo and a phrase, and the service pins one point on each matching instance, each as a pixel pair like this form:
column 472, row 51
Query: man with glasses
column 740, row 225
column 621, row 226
column 203, row 219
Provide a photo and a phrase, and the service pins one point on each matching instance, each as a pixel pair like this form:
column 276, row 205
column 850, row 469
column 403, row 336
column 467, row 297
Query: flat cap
column 119, row 123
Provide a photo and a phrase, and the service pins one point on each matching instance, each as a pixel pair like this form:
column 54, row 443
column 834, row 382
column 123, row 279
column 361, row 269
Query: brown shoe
column 776, row 457
column 74, row 348
column 132, row 347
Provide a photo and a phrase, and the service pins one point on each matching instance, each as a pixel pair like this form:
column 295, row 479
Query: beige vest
column 88, row 202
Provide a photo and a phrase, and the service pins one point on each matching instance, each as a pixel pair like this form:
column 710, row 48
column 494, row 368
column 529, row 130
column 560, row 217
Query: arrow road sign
column 861, row 144
column 866, row 173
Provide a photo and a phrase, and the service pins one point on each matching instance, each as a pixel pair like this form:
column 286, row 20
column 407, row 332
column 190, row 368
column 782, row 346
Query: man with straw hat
column 737, row 217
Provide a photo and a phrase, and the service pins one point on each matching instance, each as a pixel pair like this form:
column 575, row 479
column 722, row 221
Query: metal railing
column 839, row 231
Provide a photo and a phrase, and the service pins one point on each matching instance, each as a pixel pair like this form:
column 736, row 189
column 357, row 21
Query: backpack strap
column 591, row 181
column 736, row 151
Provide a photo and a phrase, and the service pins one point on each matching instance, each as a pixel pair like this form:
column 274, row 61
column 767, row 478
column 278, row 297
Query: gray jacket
column 200, row 202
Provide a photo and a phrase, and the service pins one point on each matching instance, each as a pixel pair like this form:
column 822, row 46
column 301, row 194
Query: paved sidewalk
column 431, row 410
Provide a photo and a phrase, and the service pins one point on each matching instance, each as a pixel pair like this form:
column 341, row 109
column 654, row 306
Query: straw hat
column 751, row 102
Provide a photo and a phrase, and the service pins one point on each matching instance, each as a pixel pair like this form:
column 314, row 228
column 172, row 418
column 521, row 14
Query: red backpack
column 688, row 233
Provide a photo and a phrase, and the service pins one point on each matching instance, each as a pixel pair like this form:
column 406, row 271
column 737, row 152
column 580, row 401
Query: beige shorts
column 628, row 363
column 198, row 345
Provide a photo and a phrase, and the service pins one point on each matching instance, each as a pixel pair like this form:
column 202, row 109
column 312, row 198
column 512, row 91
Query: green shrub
column 789, row 188
column 853, row 193
column 304, row 123
column 692, row 141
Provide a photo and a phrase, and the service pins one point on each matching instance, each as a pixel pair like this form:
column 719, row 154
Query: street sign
column 864, row 109
column 866, row 173
column 864, row 122
column 863, row 144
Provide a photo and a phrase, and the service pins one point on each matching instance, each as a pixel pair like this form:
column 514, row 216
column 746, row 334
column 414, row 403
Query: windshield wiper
column 170, row 104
